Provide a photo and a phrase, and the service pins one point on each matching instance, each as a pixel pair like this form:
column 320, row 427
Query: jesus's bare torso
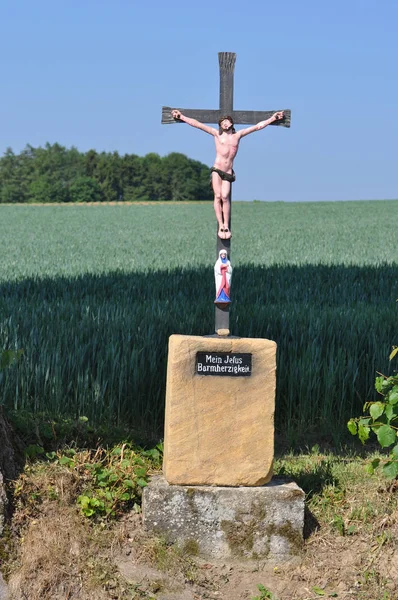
column 226, row 149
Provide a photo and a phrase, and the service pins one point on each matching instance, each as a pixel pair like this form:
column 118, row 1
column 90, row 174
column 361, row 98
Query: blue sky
column 95, row 74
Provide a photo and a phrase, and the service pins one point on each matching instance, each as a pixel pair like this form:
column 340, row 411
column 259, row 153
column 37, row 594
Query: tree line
column 58, row 174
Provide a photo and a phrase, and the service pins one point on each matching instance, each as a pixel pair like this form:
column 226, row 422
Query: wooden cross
column 242, row 117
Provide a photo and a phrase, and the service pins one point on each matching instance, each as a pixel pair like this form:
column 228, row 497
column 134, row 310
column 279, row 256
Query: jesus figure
column 222, row 174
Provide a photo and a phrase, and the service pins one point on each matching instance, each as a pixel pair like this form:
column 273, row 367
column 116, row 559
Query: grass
column 92, row 293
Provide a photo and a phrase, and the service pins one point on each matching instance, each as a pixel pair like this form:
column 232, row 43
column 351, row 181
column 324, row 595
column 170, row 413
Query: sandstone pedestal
column 218, row 454
column 228, row 523
column 219, row 423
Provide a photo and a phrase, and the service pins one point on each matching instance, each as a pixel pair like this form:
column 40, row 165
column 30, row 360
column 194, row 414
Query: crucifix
column 242, row 117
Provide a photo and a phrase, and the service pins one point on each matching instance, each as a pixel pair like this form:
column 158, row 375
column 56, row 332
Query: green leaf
column 142, row 482
column 97, row 503
column 394, row 451
column 318, row 591
column 391, row 412
column 393, row 397
column 339, row 524
column 102, row 475
column 370, row 468
column 352, row 427
column 265, row 594
column 386, row 436
column 390, row 469
column 386, row 385
column 84, row 501
column 379, row 384
column 129, row 483
column 140, row 472
column 376, row 410
column 351, row 530
column 363, row 433
column 65, row 460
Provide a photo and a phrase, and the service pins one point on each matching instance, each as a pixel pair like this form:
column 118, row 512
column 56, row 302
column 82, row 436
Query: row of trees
column 58, row 174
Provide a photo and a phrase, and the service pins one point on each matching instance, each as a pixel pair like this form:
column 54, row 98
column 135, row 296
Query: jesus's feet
column 221, row 232
column 227, row 233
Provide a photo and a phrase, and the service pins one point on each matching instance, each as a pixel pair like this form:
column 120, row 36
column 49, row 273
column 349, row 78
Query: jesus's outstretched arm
column 275, row 117
column 193, row 122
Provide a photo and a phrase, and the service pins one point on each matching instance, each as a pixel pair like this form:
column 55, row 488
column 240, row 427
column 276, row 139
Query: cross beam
column 241, row 117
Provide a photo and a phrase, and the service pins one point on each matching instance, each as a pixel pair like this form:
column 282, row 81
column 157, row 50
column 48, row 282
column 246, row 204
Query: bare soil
column 331, row 565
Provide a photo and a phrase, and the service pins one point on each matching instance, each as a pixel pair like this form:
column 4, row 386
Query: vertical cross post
column 226, row 61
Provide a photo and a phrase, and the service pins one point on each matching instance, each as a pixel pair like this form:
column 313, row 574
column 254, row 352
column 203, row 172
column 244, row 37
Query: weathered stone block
column 228, row 522
column 219, row 430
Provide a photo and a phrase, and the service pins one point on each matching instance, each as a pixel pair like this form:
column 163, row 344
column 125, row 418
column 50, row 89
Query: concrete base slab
column 228, row 522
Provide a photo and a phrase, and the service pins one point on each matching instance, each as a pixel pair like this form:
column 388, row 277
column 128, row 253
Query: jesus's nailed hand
column 176, row 114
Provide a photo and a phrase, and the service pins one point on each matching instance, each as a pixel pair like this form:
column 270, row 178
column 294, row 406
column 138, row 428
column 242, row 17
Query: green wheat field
column 92, row 293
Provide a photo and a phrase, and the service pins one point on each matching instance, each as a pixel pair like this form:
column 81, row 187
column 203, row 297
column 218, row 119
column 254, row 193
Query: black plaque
column 224, row 364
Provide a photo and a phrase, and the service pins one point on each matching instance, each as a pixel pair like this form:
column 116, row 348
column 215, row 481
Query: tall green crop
column 92, row 294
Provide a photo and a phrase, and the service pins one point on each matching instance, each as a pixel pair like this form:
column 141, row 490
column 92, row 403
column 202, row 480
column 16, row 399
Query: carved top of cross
column 242, row 117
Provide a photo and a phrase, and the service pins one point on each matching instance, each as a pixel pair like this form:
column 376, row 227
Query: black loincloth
column 223, row 175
